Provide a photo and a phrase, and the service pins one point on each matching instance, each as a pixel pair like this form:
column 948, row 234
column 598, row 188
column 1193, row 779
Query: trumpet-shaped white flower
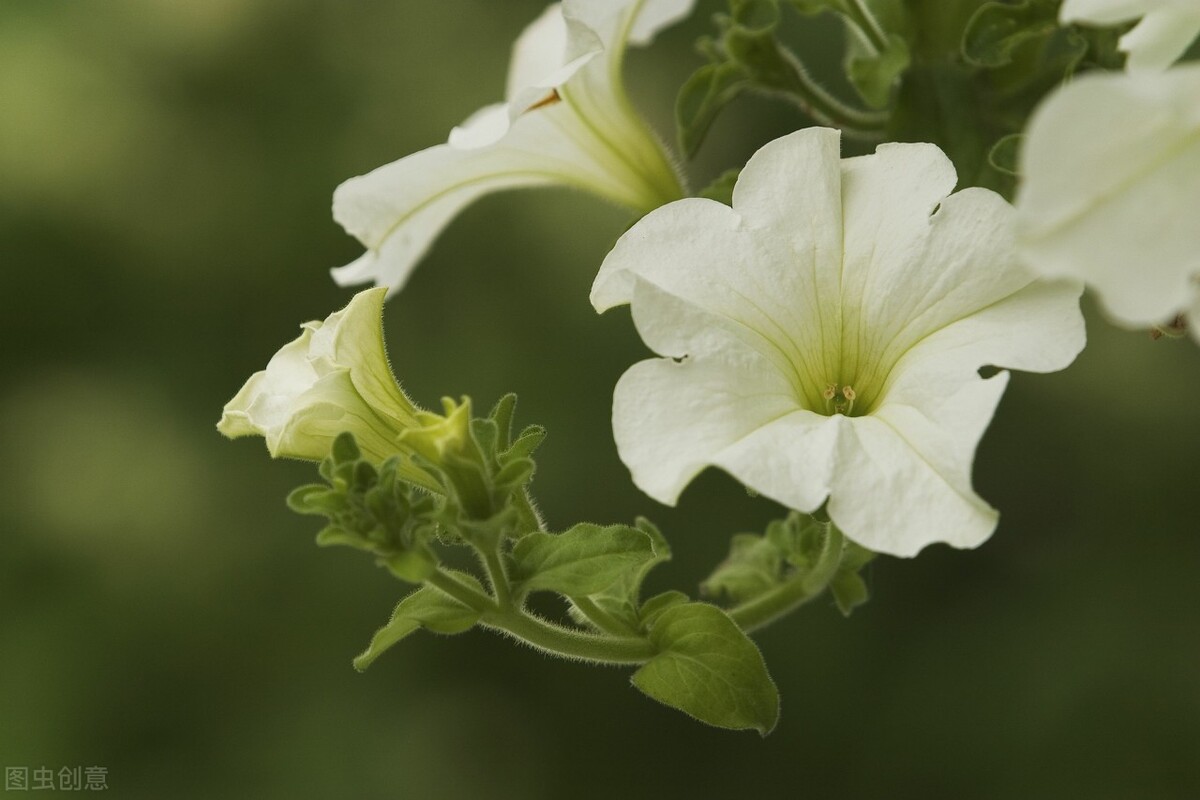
column 566, row 120
column 823, row 338
column 335, row 377
column 1166, row 29
column 1111, row 189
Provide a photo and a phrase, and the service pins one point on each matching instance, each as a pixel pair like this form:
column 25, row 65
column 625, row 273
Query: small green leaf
column 701, row 98
column 656, row 605
column 413, row 565
column 849, row 591
column 708, row 668
column 621, row 598
column 584, row 560
column 754, row 566
column 1003, row 155
column 876, row 75
column 997, row 29
column 425, row 608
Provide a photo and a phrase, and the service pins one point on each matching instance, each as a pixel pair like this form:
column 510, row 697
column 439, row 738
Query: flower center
column 839, row 399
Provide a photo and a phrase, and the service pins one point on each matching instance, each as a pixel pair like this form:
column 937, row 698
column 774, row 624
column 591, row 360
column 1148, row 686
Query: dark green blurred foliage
column 165, row 176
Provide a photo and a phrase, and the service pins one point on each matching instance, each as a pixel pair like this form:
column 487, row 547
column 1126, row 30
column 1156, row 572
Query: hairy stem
column 803, row 91
column 540, row 634
column 865, row 20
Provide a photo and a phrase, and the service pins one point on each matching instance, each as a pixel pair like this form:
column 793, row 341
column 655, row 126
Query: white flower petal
column 334, row 377
column 901, row 481
column 1166, row 29
column 832, row 288
column 1112, row 172
column 1103, row 12
column 627, row 21
column 1161, row 38
column 672, row 419
column 398, row 210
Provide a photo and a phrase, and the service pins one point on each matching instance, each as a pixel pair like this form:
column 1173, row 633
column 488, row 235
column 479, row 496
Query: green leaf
column 1003, row 155
column 425, row 608
column 875, row 75
column 621, row 599
column 584, row 560
column 701, row 99
column 754, row 566
column 997, row 29
column 413, row 565
column 709, row 669
column 656, row 605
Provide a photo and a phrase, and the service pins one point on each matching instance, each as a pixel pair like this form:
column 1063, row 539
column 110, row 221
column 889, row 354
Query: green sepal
column 847, row 586
column 582, row 561
column 345, row 449
column 709, row 669
column 427, row 608
column 315, row 498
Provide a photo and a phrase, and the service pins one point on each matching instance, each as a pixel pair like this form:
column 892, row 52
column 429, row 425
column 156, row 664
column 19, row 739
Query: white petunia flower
column 1111, row 190
column 1166, row 29
column 566, row 120
column 335, row 377
column 823, row 338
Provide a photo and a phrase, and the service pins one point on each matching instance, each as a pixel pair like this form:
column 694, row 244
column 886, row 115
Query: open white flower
column 1111, row 190
column 1166, row 29
column 824, row 335
column 566, row 120
column 335, row 377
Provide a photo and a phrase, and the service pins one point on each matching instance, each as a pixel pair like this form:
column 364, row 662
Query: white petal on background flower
column 1104, row 12
column 1166, row 29
column 767, row 316
column 1111, row 167
column 399, row 209
column 634, row 22
column 546, row 55
column 566, row 121
column 1161, row 38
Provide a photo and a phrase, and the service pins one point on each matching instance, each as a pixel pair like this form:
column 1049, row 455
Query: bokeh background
column 165, row 177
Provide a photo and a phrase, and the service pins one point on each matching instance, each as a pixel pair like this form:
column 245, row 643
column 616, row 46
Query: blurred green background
column 165, row 178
